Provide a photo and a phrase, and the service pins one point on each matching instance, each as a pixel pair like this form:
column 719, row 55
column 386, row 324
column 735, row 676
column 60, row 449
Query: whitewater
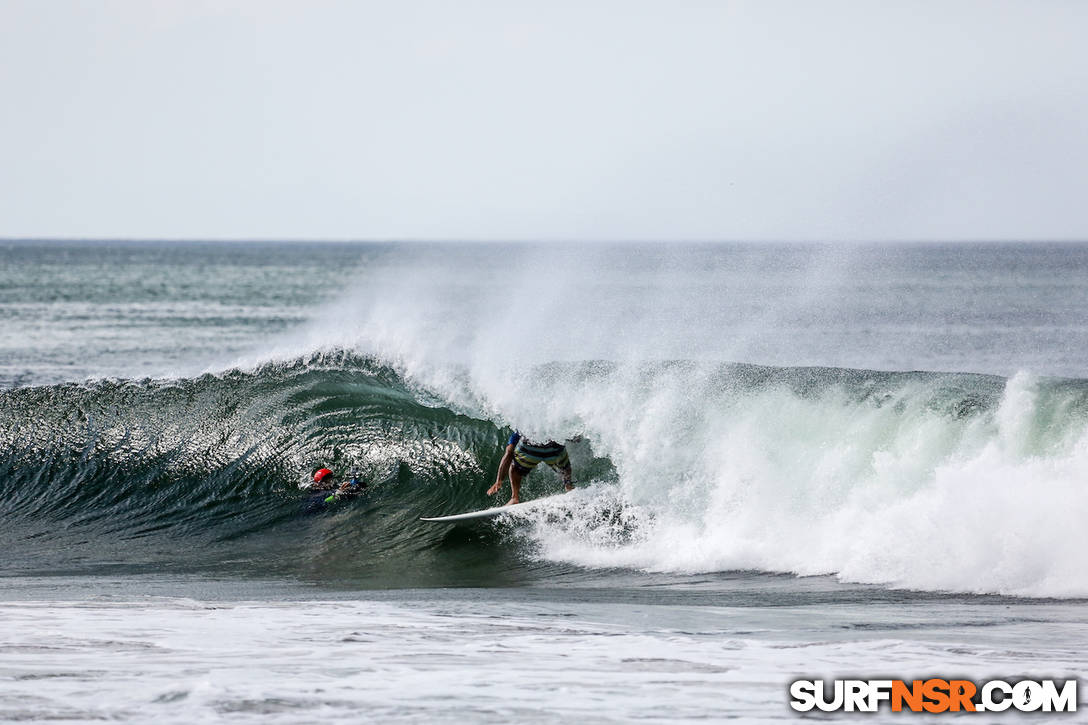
column 790, row 460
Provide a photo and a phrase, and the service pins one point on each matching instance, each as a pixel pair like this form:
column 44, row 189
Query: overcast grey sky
column 807, row 120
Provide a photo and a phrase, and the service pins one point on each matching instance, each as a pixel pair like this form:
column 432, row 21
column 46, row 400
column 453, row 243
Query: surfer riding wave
column 522, row 456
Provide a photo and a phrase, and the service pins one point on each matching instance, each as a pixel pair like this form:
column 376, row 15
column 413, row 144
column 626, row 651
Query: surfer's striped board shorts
column 528, row 455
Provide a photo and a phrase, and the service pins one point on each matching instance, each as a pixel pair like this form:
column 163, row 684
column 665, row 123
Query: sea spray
column 909, row 479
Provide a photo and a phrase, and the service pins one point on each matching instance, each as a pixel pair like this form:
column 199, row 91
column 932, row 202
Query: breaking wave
column 943, row 482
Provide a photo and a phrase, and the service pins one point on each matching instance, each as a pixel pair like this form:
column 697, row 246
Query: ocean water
column 791, row 460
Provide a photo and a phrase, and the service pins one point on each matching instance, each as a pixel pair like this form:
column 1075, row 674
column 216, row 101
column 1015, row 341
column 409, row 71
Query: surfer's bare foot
column 511, row 502
column 568, row 487
column 494, row 489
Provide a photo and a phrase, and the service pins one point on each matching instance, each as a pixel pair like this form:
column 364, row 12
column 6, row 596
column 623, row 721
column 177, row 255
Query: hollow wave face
column 205, row 473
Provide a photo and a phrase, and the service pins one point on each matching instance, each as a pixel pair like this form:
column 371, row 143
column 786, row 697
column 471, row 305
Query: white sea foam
column 897, row 496
column 483, row 659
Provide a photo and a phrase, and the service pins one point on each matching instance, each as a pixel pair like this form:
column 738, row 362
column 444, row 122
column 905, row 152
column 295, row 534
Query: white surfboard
column 487, row 513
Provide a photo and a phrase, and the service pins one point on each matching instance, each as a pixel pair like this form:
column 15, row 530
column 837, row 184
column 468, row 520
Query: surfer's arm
column 504, row 469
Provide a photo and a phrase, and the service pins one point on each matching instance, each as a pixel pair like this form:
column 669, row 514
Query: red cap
column 320, row 474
